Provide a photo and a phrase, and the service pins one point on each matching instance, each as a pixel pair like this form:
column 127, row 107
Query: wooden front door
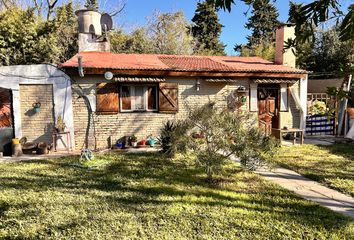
column 268, row 107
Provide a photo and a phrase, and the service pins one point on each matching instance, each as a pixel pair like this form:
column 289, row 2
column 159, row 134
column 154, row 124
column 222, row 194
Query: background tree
column 326, row 54
column 65, row 28
column 312, row 14
column 26, row 38
column 21, row 39
column 207, row 29
column 169, row 34
column 135, row 42
column 262, row 23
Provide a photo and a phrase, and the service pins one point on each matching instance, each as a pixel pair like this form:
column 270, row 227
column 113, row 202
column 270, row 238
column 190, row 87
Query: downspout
column 88, row 103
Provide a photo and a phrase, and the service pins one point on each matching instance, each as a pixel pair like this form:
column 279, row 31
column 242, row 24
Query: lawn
column 146, row 196
column 330, row 165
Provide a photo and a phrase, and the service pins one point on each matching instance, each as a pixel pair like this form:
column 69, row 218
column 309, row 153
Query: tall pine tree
column 262, row 23
column 207, row 29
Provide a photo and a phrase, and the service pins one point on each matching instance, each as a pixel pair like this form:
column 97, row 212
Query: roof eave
column 184, row 73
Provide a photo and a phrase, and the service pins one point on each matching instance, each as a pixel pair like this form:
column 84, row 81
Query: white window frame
column 132, row 95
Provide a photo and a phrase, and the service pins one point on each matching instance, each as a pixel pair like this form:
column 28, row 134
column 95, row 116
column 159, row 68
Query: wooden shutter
column 107, row 101
column 168, row 97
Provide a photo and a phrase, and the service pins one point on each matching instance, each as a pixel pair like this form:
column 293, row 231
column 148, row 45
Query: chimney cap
column 286, row 24
column 84, row 10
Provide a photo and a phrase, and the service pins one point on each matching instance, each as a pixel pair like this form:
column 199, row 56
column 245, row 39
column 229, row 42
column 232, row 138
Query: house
column 136, row 93
column 114, row 95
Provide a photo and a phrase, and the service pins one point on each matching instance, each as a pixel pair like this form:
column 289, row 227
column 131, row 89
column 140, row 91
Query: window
column 138, row 98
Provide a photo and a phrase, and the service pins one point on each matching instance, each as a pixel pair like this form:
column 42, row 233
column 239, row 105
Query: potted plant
column 151, row 141
column 142, row 142
column 36, row 107
column 133, row 141
column 60, row 126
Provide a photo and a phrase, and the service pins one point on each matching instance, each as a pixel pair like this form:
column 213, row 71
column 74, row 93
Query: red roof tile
column 107, row 60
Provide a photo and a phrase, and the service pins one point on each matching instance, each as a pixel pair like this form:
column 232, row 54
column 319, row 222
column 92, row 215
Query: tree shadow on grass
column 135, row 181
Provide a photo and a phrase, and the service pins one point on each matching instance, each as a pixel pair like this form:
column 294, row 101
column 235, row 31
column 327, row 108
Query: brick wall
column 141, row 124
column 37, row 126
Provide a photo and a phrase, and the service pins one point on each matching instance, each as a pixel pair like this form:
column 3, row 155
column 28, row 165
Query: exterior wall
column 291, row 118
column 37, row 127
column 144, row 123
column 12, row 76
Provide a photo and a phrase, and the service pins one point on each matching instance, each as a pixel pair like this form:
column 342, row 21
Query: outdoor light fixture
column 241, row 89
column 108, row 75
column 197, row 85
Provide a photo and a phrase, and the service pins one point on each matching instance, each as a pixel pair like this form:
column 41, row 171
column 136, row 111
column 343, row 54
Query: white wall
column 12, row 76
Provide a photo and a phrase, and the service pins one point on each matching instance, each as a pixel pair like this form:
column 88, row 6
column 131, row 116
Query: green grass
column 330, row 165
column 146, row 196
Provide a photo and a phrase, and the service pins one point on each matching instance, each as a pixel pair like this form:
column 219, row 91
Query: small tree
column 91, row 5
column 225, row 133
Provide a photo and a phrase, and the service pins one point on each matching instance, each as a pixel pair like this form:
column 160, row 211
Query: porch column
column 303, row 100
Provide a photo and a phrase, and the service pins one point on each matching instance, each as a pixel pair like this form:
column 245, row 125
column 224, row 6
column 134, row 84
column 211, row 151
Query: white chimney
column 90, row 32
column 285, row 56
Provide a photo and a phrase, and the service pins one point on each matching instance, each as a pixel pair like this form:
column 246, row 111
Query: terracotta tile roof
column 107, row 60
column 193, row 63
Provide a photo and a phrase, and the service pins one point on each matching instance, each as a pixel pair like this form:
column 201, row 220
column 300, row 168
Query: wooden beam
column 162, row 73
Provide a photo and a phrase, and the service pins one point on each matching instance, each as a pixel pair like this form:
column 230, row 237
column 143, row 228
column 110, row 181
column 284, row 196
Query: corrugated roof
column 107, row 60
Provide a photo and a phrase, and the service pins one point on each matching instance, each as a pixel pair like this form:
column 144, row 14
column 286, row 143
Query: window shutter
column 107, row 101
column 168, row 97
column 284, row 98
column 253, row 98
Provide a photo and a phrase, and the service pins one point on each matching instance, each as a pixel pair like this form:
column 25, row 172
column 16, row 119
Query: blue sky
column 136, row 12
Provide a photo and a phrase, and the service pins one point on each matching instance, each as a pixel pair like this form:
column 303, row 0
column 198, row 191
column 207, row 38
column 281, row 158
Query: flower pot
column 134, row 144
column 151, row 142
column 142, row 142
column 36, row 109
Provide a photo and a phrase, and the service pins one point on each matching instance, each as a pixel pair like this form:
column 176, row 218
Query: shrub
column 172, row 136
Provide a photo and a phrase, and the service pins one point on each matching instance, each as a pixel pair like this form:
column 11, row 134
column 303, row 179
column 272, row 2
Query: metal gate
column 319, row 125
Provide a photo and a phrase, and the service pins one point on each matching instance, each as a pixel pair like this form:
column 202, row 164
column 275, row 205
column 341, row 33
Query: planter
column 36, row 109
column 119, row 145
column 42, row 148
column 134, row 144
column 142, row 142
column 151, row 142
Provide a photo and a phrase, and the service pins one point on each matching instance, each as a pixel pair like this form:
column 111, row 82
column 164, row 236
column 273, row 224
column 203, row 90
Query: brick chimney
column 283, row 56
column 91, row 37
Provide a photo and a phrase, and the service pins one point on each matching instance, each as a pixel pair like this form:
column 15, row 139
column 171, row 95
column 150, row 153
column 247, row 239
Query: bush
column 172, row 137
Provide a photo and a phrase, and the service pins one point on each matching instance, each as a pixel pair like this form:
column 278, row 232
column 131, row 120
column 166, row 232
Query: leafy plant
column 133, row 138
column 60, row 126
column 172, row 137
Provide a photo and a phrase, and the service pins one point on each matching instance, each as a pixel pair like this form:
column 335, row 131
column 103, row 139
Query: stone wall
column 144, row 123
column 37, row 126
